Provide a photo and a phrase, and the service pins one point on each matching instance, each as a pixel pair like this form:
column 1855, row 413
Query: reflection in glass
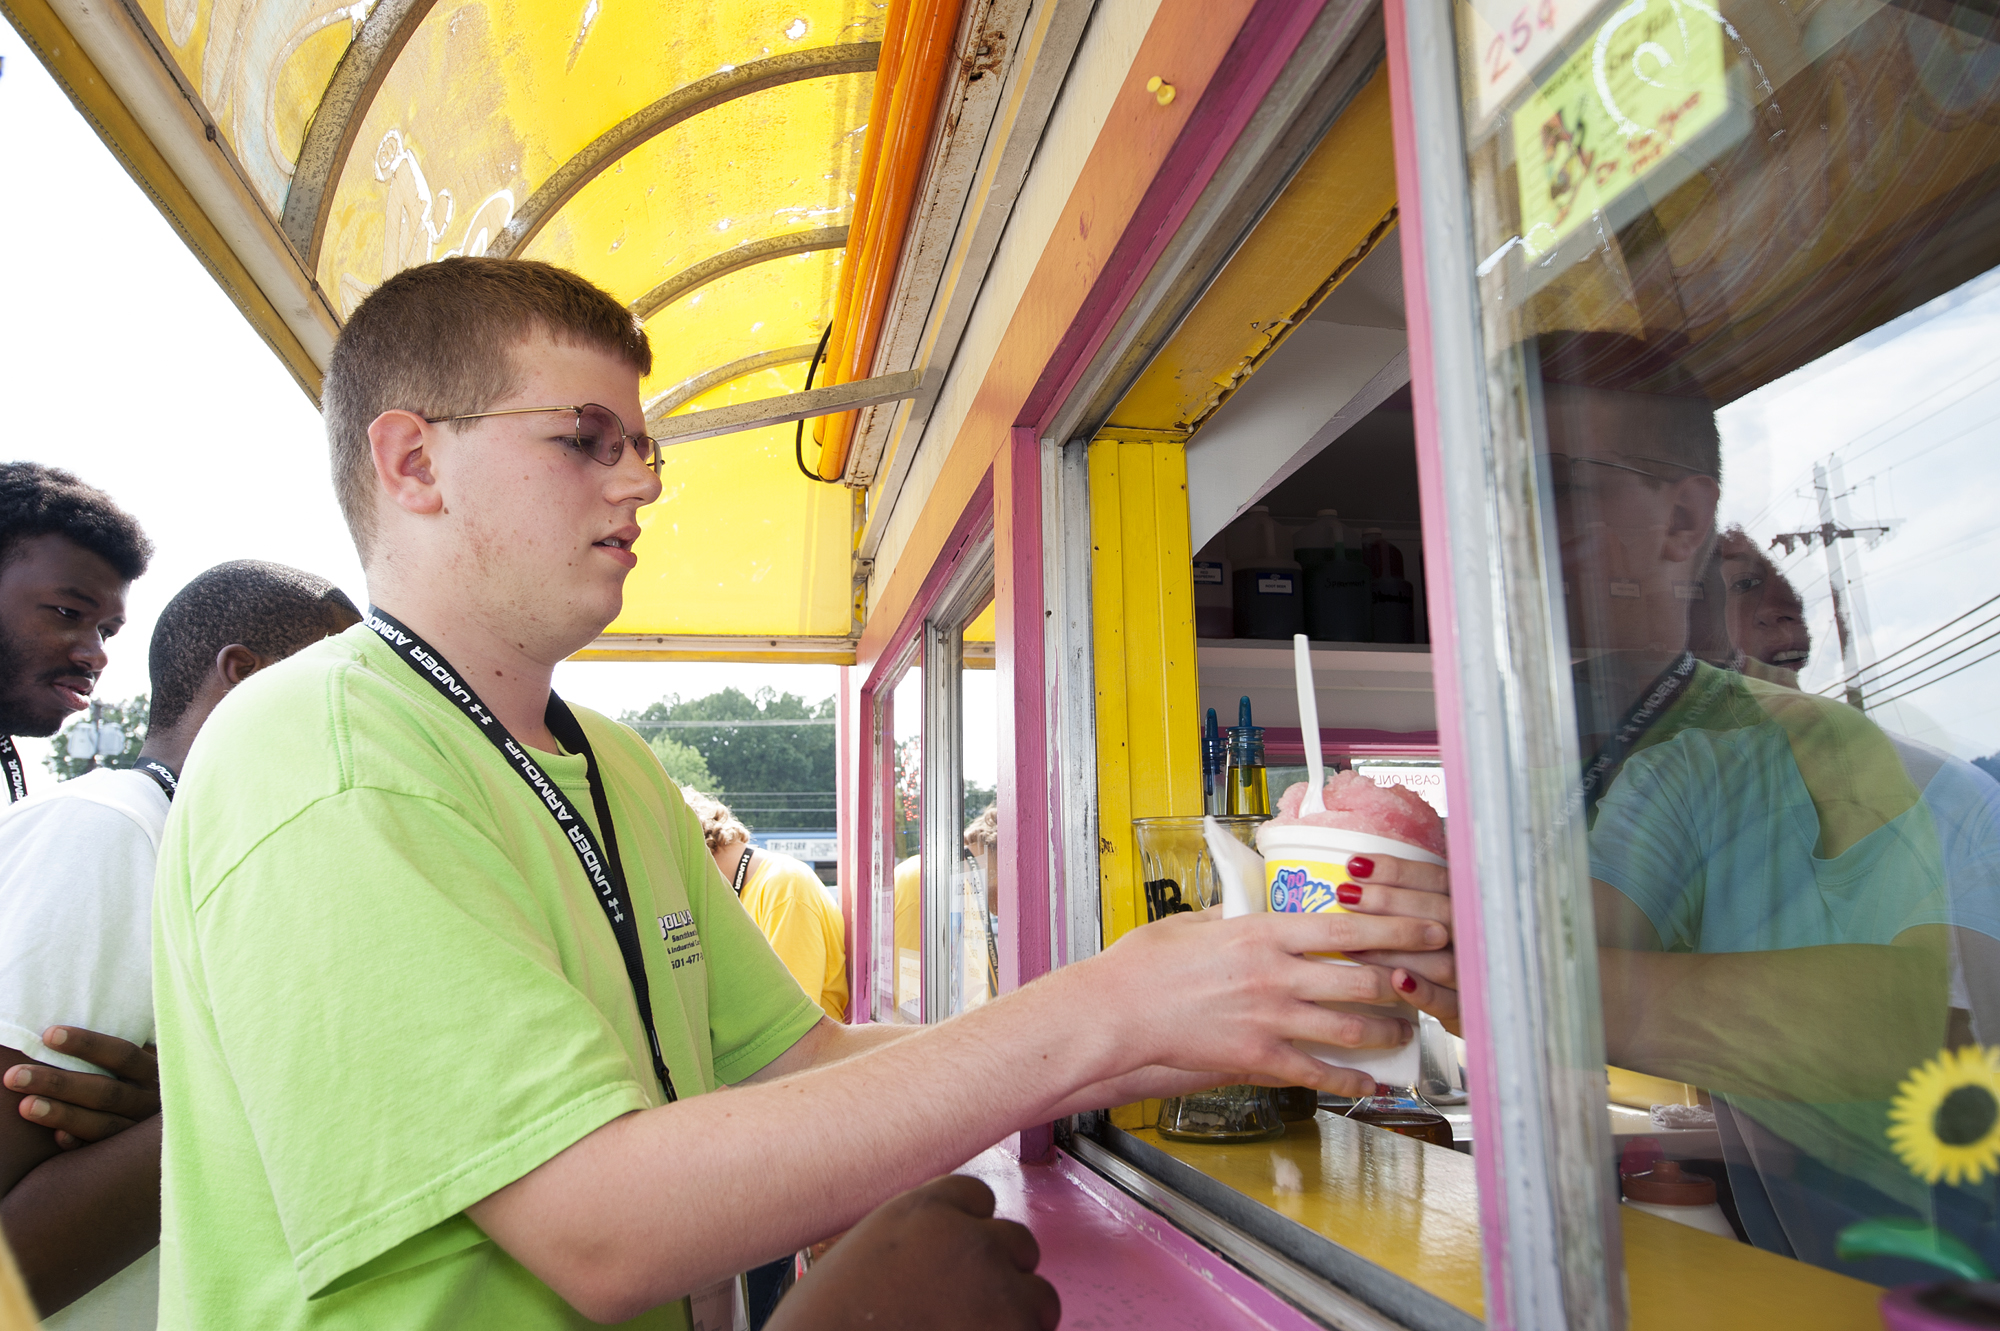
column 975, row 905
column 1738, row 291
column 899, row 901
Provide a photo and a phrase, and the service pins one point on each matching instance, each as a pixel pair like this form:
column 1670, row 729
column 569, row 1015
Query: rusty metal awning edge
column 722, row 647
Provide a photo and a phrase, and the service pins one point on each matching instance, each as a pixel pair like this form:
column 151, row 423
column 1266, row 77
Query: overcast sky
column 1910, row 414
column 120, row 360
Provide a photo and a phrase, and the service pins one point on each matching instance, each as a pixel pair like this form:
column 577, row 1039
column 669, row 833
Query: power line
column 1880, row 661
column 1940, row 679
column 1924, row 670
column 1854, row 439
column 1921, row 419
column 710, row 725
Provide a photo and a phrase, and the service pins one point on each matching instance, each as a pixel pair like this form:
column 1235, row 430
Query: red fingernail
column 1408, row 984
column 1360, row 866
column 1348, row 894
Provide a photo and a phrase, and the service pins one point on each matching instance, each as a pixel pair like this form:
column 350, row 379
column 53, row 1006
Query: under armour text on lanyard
column 161, row 775
column 742, row 871
column 1637, row 722
column 606, row 872
column 17, row 779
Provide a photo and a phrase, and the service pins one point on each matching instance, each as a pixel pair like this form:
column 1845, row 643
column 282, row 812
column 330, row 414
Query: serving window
column 1737, row 309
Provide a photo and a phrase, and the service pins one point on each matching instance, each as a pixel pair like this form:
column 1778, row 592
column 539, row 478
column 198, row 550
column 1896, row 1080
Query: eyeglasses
column 600, row 433
column 1565, row 471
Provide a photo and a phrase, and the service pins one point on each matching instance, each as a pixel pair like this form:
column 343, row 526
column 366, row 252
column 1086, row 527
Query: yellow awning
column 700, row 161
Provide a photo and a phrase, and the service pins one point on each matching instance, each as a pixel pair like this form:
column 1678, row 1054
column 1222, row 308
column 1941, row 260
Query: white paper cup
column 1304, row 867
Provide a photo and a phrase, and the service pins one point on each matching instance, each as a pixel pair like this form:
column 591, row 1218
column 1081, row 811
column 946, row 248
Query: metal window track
column 1328, row 1282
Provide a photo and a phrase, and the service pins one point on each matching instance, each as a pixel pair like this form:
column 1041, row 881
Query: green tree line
column 773, row 775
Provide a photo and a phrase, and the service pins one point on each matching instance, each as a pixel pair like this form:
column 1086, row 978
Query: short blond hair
column 439, row 339
column 719, row 826
column 984, row 831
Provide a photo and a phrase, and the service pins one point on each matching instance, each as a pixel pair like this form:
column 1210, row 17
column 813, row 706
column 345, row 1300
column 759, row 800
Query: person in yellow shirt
column 786, row 899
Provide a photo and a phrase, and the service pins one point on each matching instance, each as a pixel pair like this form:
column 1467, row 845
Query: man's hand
column 933, row 1257
column 1203, row 995
column 82, row 1107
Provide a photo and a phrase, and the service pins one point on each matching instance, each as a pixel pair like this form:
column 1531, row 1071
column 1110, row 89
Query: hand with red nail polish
column 1396, row 886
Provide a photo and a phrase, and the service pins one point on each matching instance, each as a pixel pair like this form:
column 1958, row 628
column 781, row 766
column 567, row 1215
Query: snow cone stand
column 1604, row 390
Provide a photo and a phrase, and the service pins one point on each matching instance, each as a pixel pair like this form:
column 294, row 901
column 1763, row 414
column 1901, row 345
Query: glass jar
column 1401, row 1110
column 1225, row 1114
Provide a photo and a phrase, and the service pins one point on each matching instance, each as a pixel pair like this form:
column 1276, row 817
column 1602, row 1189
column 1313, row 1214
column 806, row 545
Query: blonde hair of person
column 983, row 832
column 719, row 826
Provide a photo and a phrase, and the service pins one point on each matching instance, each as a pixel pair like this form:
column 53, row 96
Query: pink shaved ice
column 1356, row 804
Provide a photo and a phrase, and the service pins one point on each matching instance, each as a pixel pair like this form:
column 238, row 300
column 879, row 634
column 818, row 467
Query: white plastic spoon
column 1315, row 800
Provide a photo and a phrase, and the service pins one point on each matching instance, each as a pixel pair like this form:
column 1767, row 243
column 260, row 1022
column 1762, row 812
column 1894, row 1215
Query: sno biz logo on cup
column 1295, row 889
column 1305, row 865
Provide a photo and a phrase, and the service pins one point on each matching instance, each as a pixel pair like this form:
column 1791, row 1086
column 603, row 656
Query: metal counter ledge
column 1130, row 1226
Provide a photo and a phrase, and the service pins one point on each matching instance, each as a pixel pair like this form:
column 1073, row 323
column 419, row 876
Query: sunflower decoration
column 1945, row 1119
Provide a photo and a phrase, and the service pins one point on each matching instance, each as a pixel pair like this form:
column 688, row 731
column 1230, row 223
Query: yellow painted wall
column 1142, row 611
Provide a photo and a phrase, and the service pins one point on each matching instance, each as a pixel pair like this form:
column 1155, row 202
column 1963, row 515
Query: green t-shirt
column 385, row 989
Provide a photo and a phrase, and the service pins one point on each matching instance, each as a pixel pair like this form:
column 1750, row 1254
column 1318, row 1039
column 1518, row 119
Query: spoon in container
column 1315, row 798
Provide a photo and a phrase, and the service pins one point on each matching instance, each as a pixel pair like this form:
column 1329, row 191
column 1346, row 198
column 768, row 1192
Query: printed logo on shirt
column 683, row 940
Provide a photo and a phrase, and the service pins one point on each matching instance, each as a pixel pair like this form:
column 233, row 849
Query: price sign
column 1509, row 39
column 1650, row 81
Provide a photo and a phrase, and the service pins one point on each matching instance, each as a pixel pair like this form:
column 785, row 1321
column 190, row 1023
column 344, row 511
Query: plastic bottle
column 1393, row 598
column 1213, row 595
column 1249, row 784
column 1214, row 770
column 1337, row 608
column 1670, row 1193
column 1266, row 597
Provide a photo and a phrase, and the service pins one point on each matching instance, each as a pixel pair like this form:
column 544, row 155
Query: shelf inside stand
column 1362, row 685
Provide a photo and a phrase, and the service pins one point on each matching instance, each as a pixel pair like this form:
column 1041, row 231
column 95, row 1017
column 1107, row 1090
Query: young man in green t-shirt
column 411, row 910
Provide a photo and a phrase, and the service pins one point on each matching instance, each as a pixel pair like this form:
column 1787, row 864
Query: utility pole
column 1829, row 533
column 1836, row 584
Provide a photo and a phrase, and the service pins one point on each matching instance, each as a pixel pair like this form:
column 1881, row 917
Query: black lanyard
column 606, row 872
column 1637, row 722
column 742, row 870
column 17, row 779
column 161, row 775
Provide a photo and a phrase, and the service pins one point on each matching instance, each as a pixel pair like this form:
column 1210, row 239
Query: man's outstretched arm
column 659, row 1203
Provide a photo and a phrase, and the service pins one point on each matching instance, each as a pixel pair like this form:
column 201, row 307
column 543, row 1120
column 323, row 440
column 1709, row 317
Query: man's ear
column 236, row 663
column 1691, row 520
column 400, row 443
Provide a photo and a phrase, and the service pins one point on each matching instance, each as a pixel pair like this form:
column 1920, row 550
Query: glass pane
column 1739, row 298
column 975, row 902
column 899, row 882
